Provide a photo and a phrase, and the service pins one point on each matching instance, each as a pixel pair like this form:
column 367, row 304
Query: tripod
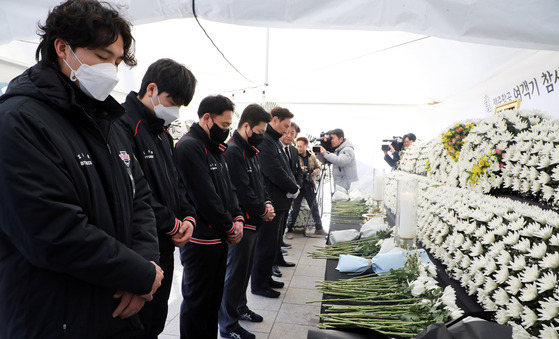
column 325, row 176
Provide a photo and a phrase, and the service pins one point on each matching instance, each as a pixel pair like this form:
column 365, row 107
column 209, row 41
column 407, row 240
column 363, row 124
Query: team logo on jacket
column 148, row 154
column 213, row 167
column 125, row 157
column 84, row 159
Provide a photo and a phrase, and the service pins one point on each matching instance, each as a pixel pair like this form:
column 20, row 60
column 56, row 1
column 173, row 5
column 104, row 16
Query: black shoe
column 239, row 333
column 285, row 245
column 276, row 284
column 276, row 272
column 283, row 251
column 251, row 316
column 269, row 293
column 284, row 263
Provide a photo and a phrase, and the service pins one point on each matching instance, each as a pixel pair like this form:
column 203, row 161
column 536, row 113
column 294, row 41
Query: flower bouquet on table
column 399, row 304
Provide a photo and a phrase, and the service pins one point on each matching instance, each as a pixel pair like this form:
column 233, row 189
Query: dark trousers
column 202, row 288
column 154, row 313
column 239, row 266
column 308, row 193
column 265, row 253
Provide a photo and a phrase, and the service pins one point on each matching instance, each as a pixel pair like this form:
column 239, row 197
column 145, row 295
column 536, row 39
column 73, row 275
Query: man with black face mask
column 219, row 220
column 244, row 170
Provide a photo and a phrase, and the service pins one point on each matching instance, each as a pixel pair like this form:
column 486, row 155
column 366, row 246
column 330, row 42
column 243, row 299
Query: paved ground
column 286, row 317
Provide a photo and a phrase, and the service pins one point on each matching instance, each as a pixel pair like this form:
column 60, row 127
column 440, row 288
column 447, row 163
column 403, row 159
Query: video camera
column 396, row 142
column 325, row 141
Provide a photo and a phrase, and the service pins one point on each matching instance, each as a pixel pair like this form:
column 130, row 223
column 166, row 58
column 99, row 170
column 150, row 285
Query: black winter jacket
column 248, row 184
column 278, row 177
column 75, row 221
column 154, row 148
column 202, row 168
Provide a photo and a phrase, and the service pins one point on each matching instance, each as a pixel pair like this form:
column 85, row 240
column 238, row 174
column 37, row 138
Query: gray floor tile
column 300, row 296
column 298, row 314
column 289, row 331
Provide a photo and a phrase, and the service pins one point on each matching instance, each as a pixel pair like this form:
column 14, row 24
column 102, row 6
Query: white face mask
column 97, row 81
column 169, row 114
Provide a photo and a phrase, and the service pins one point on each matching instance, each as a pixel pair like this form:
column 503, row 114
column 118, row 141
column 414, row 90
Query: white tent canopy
column 374, row 68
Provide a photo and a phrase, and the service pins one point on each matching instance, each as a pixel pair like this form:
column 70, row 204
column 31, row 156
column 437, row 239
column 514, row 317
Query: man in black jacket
column 78, row 242
column 219, row 221
column 244, row 170
column 166, row 86
column 281, row 185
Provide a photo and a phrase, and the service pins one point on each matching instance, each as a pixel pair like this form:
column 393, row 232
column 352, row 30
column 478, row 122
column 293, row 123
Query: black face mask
column 218, row 134
column 255, row 139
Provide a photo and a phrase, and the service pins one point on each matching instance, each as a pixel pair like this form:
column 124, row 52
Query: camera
column 396, row 142
column 325, row 141
column 316, row 149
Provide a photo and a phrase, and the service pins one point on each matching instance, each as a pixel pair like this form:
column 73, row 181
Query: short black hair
column 215, row 105
column 254, row 114
column 84, row 23
column 281, row 113
column 410, row 136
column 337, row 132
column 294, row 125
column 170, row 77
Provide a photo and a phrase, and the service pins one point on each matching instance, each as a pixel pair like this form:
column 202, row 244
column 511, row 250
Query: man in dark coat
column 219, row 220
column 281, row 185
column 166, row 86
column 248, row 184
column 78, row 242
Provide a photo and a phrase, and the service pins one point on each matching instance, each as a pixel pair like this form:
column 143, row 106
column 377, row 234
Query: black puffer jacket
column 278, row 177
column 75, row 220
column 154, row 148
column 248, row 184
column 202, row 168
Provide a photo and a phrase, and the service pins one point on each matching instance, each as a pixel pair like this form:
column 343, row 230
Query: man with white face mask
column 166, row 86
column 78, row 243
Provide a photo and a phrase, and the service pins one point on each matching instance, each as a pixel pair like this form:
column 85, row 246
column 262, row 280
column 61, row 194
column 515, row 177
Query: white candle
column 407, row 224
column 378, row 187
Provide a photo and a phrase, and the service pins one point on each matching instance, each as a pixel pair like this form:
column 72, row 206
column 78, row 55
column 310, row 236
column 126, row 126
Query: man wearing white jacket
column 342, row 157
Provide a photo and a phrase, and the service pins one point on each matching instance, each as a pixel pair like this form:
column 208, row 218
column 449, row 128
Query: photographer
column 340, row 153
column 310, row 170
column 396, row 147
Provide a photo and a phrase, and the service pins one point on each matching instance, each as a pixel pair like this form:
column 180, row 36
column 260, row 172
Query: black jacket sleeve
column 144, row 231
column 44, row 219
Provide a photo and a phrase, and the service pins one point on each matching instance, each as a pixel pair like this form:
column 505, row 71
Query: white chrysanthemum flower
column 544, row 162
column 551, row 260
column 547, row 192
column 479, row 279
column 516, row 224
column 528, row 317
column 525, row 186
column 495, row 223
column 507, row 181
column 514, row 285
column 549, row 332
column 449, row 296
column 549, row 309
column 518, row 332
column 490, row 285
column 488, row 238
column 491, row 266
column 496, row 249
column 531, row 274
column 502, row 275
column 554, row 155
column 514, row 308
column 504, row 258
column 553, row 219
column 516, row 184
column 502, row 316
column 531, row 229
column 519, row 263
column 466, row 262
column 512, row 238
column 536, row 187
column 538, row 250
column 554, row 240
column 501, row 297
column 513, row 216
column 523, row 245
column 533, row 162
column 477, row 249
column 417, row 287
column 529, row 292
column 547, row 282
column 545, row 232
column 480, row 231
